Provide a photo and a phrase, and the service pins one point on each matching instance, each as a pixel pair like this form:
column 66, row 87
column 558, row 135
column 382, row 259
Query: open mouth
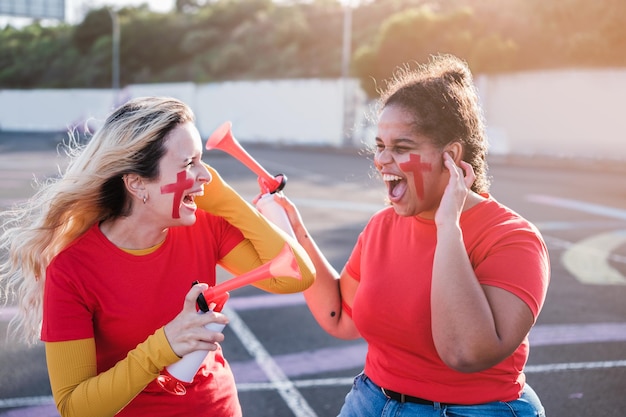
column 396, row 186
column 189, row 199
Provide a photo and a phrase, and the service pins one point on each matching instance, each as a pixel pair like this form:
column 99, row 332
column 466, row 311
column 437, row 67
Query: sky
column 76, row 9
column 156, row 5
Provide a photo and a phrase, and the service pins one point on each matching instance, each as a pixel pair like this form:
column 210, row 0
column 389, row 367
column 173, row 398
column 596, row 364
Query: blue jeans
column 365, row 399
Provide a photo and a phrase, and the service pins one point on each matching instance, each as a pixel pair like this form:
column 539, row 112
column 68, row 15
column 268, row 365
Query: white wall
column 559, row 113
column 289, row 111
column 283, row 111
column 563, row 113
column 50, row 110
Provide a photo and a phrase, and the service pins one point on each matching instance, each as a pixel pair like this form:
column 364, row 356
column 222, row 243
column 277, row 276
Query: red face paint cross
column 416, row 167
column 182, row 183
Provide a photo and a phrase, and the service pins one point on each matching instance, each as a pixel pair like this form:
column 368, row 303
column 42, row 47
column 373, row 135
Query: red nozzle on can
column 212, row 300
column 276, row 184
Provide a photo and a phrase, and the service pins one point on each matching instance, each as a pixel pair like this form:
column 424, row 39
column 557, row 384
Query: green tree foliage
column 586, row 33
column 413, row 35
column 35, row 56
column 96, row 24
column 214, row 40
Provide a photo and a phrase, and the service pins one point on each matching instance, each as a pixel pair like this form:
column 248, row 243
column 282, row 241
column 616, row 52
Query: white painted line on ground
column 534, row 369
column 530, row 369
column 302, row 383
column 540, row 335
column 25, row 401
column 351, row 356
column 574, row 366
column 578, row 206
column 579, row 225
column 285, row 387
column 588, row 260
column 565, row 244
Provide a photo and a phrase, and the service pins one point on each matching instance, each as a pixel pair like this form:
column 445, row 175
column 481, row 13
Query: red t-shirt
column 393, row 261
column 96, row 290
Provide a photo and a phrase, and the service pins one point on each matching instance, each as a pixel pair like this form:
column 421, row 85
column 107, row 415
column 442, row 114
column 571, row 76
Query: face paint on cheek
column 182, row 183
column 415, row 166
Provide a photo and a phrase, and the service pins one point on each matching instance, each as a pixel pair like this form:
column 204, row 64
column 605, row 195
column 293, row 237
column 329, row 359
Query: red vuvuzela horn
column 284, row 264
column 222, row 138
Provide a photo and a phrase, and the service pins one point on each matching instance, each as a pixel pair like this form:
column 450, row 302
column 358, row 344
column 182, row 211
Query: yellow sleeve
column 266, row 239
column 79, row 391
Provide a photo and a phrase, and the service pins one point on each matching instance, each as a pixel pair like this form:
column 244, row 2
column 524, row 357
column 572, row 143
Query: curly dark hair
column 443, row 100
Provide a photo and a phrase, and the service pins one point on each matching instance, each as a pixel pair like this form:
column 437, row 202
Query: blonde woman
column 102, row 260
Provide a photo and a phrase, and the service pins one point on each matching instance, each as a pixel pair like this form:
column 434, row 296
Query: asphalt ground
column 285, row 365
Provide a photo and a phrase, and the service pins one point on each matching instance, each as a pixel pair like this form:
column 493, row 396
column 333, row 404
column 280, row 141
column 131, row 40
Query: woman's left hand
column 461, row 179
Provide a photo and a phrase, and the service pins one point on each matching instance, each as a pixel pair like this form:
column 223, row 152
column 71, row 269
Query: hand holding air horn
column 283, row 265
column 223, row 139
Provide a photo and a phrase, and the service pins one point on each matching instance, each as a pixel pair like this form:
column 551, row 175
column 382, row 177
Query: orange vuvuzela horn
column 284, row 264
column 222, row 138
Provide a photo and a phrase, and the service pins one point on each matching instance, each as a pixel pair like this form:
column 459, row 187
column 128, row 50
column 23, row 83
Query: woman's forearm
column 325, row 297
column 79, row 391
column 463, row 324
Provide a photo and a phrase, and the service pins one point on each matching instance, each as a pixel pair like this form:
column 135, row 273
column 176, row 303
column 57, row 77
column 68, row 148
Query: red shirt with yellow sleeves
column 97, row 290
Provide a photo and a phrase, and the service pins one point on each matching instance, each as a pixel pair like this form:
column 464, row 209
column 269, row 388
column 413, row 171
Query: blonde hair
column 90, row 191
